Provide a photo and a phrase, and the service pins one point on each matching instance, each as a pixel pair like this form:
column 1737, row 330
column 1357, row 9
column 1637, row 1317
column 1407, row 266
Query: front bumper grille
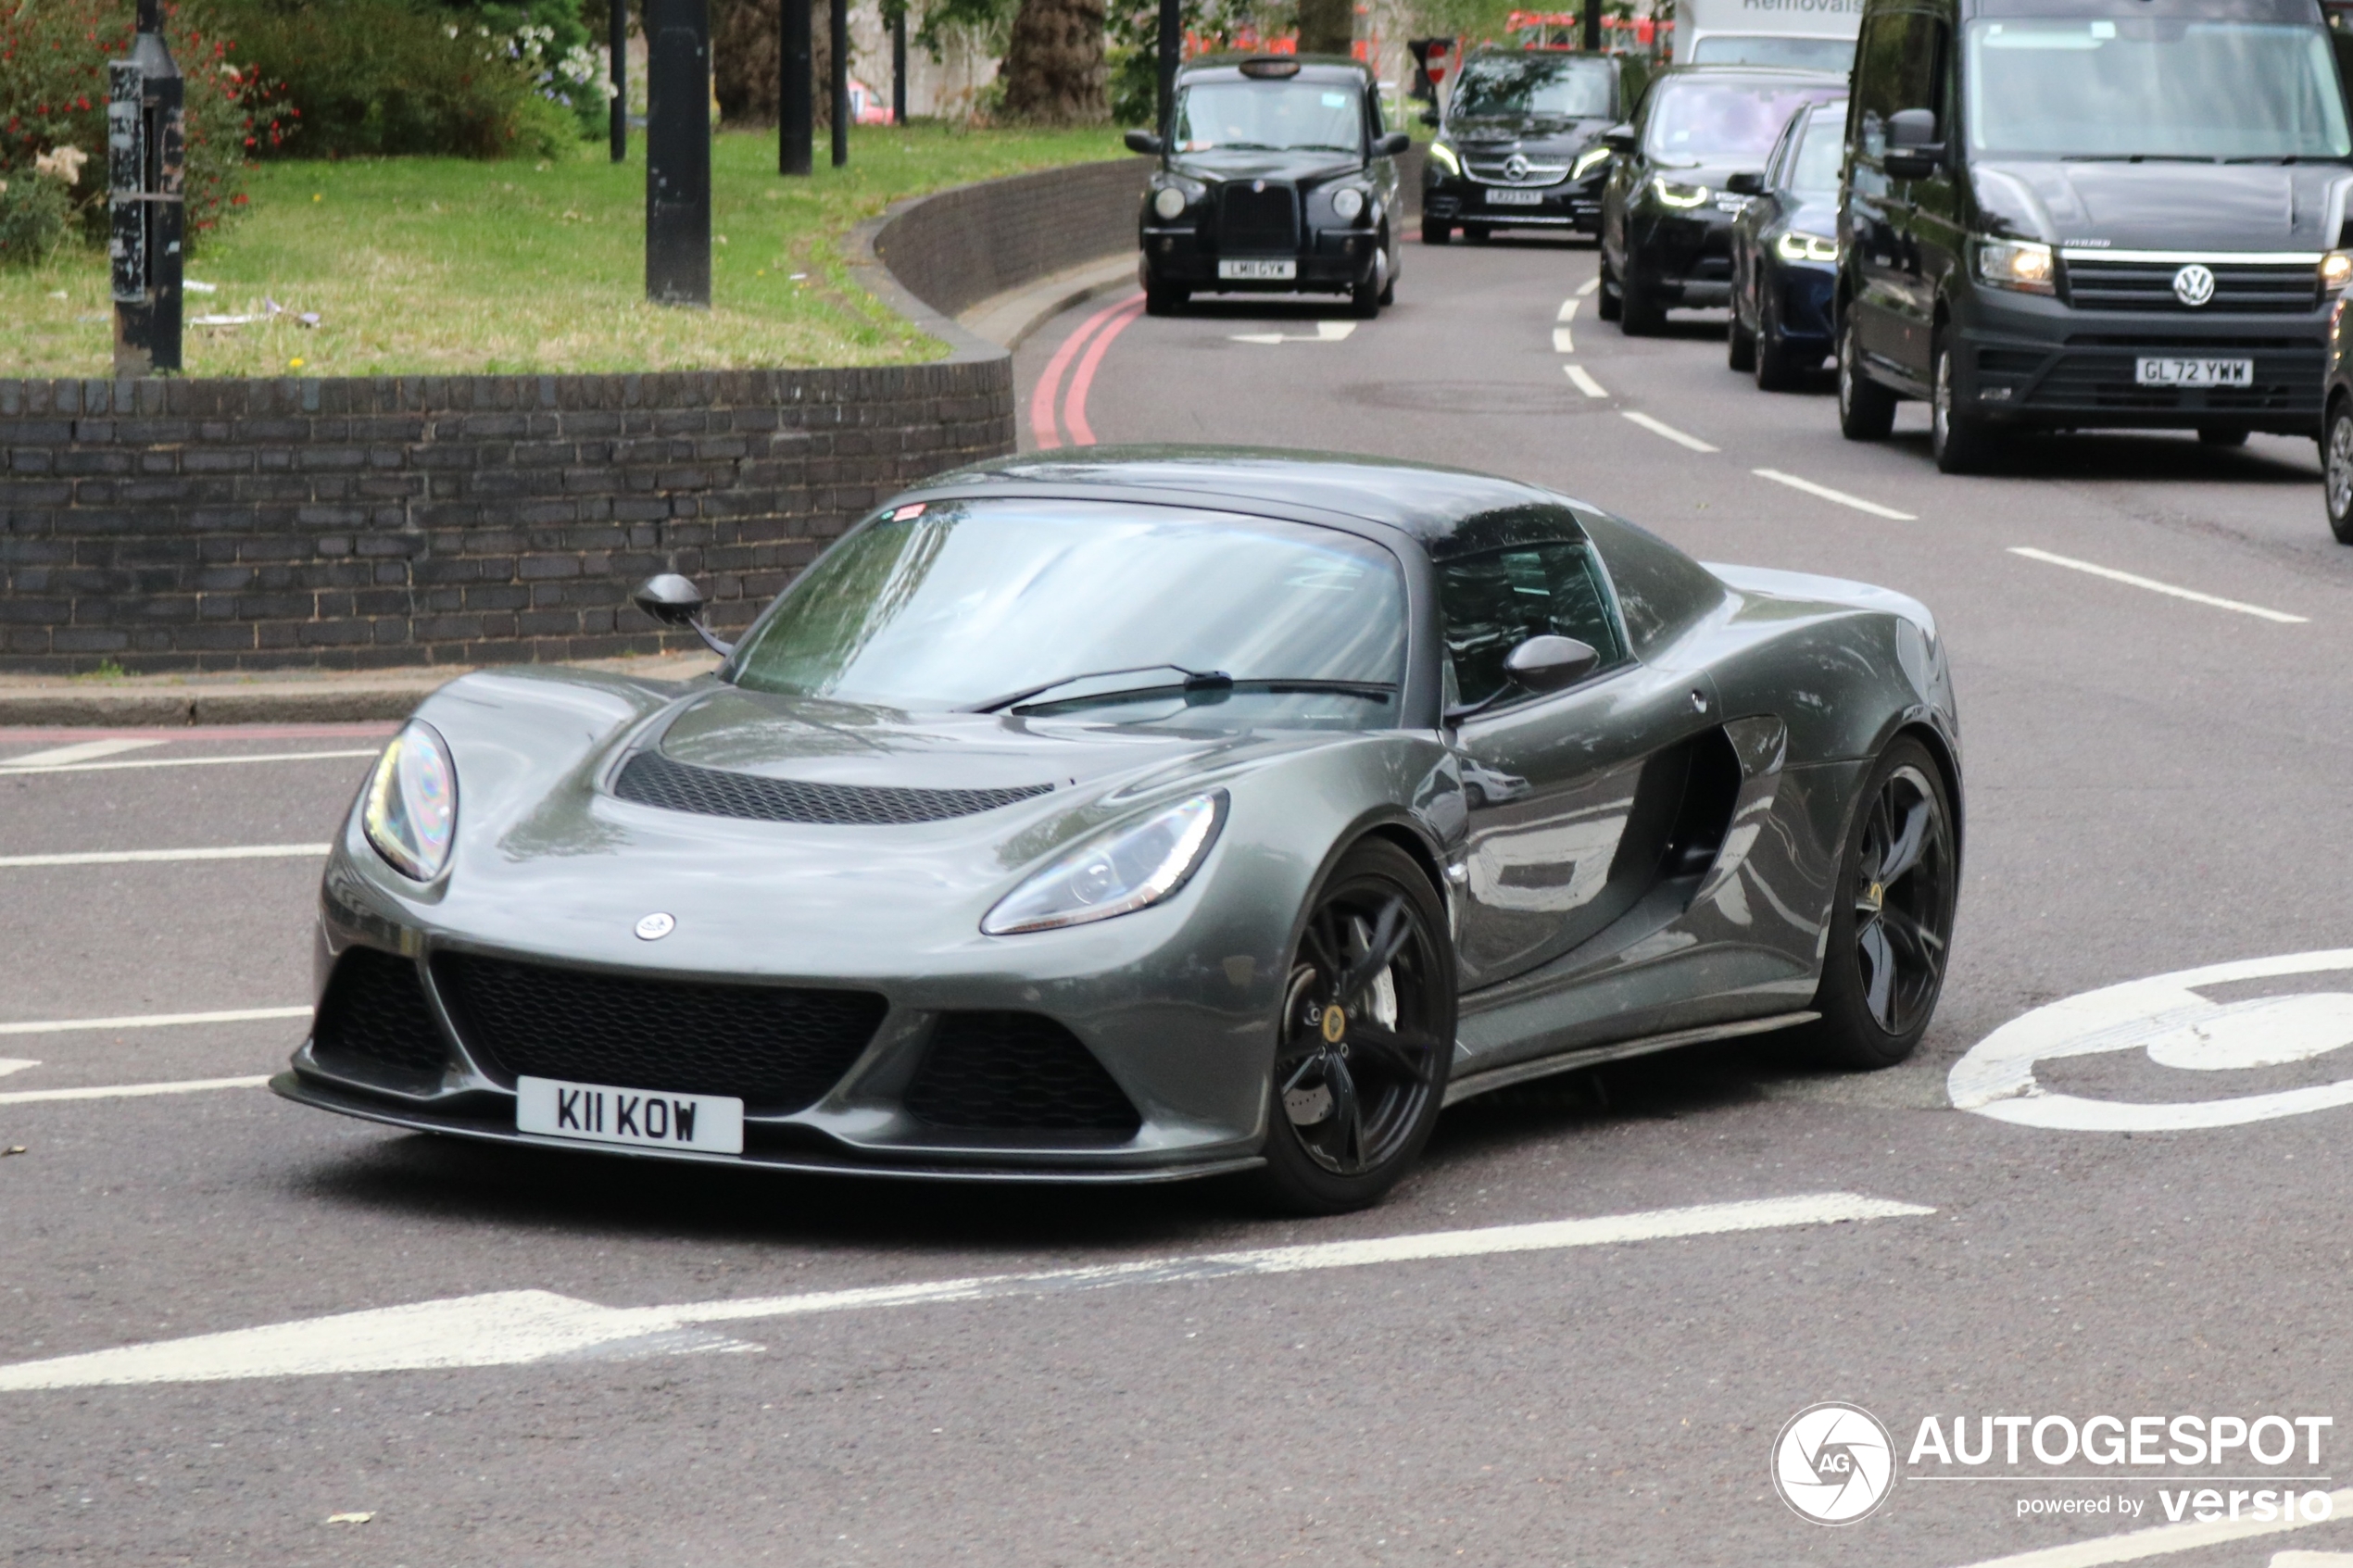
column 2097, row 376
column 1493, row 172
column 651, row 779
column 777, row 1049
column 374, row 1018
column 1015, row 1072
column 2265, row 288
column 1258, row 221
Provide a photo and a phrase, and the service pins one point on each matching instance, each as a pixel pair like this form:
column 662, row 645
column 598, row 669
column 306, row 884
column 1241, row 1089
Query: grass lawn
column 445, row 266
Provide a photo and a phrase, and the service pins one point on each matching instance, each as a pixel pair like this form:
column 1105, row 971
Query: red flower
column 237, row 200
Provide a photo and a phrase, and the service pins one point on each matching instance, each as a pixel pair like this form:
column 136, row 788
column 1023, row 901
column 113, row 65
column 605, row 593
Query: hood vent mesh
column 651, row 779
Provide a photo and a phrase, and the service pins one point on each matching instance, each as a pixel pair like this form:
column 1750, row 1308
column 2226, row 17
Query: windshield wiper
column 1197, row 687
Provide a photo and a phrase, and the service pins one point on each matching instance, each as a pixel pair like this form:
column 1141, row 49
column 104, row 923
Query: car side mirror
column 1548, row 664
column 1145, row 141
column 1391, row 145
column 1430, row 117
column 1911, row 128
column 674, row 601
column 1745, row 184
column 1618, row 138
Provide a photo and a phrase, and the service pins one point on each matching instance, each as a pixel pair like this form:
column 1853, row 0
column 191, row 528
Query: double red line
column 1086, row 346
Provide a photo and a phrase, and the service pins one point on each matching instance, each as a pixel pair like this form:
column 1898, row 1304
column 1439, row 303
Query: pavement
column 235, row 1330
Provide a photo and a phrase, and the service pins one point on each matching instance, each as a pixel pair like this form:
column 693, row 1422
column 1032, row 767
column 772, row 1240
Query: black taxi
column 1277, row 177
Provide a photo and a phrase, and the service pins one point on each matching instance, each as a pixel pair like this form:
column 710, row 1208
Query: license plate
column 2193, row 372
column 633, row 1118
column 1515, row 198
column 1258, row 271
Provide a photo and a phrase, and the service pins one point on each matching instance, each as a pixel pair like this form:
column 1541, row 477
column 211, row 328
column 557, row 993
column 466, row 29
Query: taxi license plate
column 631, row 1117
column 2193, row 372
column 1515, row 198
column 1258, row 271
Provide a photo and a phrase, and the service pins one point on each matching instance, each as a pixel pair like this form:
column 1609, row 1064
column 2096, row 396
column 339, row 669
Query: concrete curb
column 1010, row 317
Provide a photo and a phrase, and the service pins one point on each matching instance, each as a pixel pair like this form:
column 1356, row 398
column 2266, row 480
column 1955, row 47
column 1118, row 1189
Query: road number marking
column 1660, row 427
column 150, row 1021
column 1584, row 382
column 2154, row 586
column 133, row 856
column 1827, row 494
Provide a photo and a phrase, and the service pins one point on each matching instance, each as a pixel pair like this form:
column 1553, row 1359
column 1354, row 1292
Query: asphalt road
column 2154, row 785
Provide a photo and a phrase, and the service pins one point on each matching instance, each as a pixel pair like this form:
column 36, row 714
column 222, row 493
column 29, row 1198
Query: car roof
column 1790, row 74
column 1427, row 501
column 1312, row 68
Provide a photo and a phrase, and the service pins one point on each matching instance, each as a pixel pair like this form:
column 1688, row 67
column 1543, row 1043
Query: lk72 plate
column 1500, row 198
column 633, row 1118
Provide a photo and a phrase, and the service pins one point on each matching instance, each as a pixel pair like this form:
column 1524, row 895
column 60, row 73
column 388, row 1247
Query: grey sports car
column 1149, row 813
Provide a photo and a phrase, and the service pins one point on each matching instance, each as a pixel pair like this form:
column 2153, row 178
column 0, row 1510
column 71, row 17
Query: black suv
column 1666, row 215
column 1279, row 177
column 2062, row 214
column 1520, row 144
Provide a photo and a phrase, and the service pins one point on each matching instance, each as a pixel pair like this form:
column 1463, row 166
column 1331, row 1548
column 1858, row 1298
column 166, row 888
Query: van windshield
column 1534, row 83
column 2154, row 87
column 1693, row 117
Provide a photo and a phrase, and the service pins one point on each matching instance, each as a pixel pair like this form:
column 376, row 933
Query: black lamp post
column 1172, row 50
column 838, row 17
column 1593, row 26
column 678, row 152
column 898, row 66
column 145, row 151
column 620, row 30
column 796, row 111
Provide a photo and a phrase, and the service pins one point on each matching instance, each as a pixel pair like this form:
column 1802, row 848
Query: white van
column 1808, row 34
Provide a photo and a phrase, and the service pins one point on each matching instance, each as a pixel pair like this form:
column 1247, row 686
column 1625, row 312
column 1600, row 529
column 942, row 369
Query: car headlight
column 1443, row 156
column 1795, row 246
column 1675, row 194
column 1588, row 161
column 2336, row 268
column 1346, row 202
column 412, row 815
column 1117, row 874
column 1169, row 202
column 2018, row 264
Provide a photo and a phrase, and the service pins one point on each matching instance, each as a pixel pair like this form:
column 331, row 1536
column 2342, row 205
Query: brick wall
column 955, row 249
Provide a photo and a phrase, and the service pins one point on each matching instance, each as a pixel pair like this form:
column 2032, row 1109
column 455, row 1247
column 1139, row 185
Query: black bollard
column 678, row 153
column 1172, row 50
column 839, row 19
column 146, row 155
column 899, row 67
column 620, row 30
column 796, row 110
column 1592, row 30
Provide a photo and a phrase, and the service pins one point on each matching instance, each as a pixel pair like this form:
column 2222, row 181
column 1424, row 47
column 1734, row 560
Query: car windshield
column 1269, row 117
column 1533, row 84
column 1697, row 119
column 1821, row 143
column 1795, row 53
column 2154, row 87
column 1007, row 604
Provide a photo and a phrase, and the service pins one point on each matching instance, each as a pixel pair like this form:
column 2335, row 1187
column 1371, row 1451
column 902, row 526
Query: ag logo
column 1834, row 1463
column 2194, row 285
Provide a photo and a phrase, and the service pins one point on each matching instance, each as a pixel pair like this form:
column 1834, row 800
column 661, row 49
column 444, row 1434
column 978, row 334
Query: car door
column 1757, row 220
column 1561, row 831
column 1898, row 66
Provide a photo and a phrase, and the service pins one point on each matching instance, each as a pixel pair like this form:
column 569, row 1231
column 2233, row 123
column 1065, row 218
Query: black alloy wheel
column 2336, row 468
column 1639, row 312
column 1365, row 1038
column 1388, row 273
column 1865, row 409
column 1891, row 917
column 1739, row 353
column 1960, row 441
column 1777, row 368
column 1607, row 303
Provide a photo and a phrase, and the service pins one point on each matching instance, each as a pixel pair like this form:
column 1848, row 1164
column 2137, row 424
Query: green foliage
column 34, row 215
column 1132, row 28
column 380, row 78
column 552, row 43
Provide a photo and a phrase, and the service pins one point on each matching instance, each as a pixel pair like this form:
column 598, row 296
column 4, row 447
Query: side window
column 1898, row 66
column 1496, row 600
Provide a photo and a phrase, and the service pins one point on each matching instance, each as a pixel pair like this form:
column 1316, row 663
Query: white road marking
column 1827, row 494
column 2312, row 1560
column 14, row 1064
column 1589, row 284
column 1326, row 331
column 150, row 1021
column 515, row 1327
column 1583, row 382
column 1568, row 308
column 1660, row 427
column 17, row 765
column 132, row 1091
column 2162, row 1541
column 1562, row 342
column 2166, row 1017
column 81, row 751
column 133, row 856
column 2154, row 586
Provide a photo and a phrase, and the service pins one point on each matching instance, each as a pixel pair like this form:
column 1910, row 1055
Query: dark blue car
column 1785, row 251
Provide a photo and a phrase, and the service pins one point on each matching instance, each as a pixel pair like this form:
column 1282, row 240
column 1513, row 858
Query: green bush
column 381, row 78
column 34, row 215
column 547, row 38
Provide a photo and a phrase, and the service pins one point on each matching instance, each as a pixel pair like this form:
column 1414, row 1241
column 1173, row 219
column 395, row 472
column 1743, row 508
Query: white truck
column 1813, row 34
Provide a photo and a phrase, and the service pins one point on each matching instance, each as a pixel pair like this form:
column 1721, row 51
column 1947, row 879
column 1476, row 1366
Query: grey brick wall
column 955, row 249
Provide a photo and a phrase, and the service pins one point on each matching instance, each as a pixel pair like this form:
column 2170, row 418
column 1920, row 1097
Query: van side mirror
column 1745, row 184
column 1145, row 141
column 1913, row 151
column 1618, row 138
column 1548, row 664
column 1391, row 145
column 674, row 601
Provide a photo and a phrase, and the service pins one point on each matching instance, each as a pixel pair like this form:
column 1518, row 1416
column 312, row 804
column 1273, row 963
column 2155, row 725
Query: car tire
column 1739, row 344
column 1436, row 234
column 1639, row 312
column 1388, row 275
column 1363, row 300
column 1960, row 442
column 1387, row 1077
column 1608, row 304
column 1865, row 409
column 1166, row 299
column 2221, row 435
column 1777, row 368
column 2336, row 469
column 1884, row 966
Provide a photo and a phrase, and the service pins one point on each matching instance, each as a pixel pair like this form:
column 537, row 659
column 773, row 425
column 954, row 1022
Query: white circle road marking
column 2165, row 1016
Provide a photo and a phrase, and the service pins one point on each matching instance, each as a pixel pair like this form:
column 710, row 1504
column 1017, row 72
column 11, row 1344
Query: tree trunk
column 744, row 67
column 1326, row 27
column 1053, row 71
